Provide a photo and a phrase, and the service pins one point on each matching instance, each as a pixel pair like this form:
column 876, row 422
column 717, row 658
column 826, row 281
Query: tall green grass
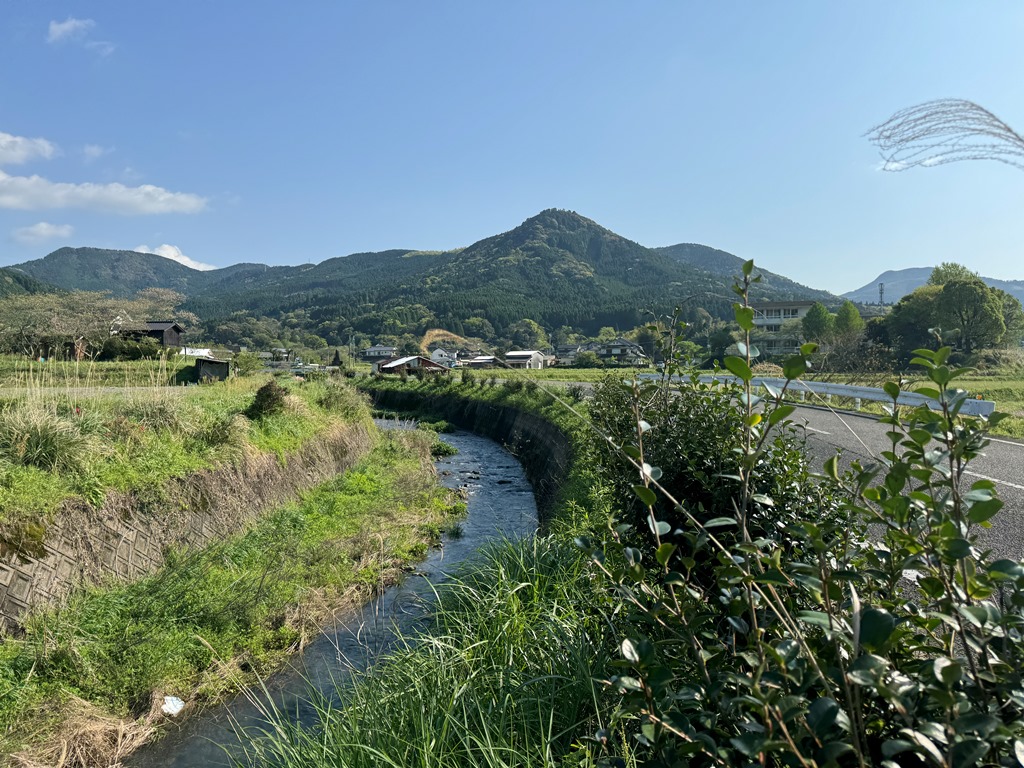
column 507, row 676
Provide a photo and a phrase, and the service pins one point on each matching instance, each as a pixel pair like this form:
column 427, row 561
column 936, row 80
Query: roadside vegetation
column 732, row 606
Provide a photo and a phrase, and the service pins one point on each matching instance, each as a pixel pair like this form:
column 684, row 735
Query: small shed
column 212, row 369
column 167, row 332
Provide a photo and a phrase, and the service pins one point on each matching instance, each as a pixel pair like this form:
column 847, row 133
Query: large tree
column 848, row 325
column 912, row 319
column 972, row 308
column 950, row 270
column 818, row 323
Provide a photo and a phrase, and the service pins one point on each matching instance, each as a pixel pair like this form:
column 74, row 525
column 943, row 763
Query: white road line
column 994, row 480
column 819, row 431
column 1005, row 442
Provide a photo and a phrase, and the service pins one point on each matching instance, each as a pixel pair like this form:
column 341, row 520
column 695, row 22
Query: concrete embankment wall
column 544, row 451
column 130, row 534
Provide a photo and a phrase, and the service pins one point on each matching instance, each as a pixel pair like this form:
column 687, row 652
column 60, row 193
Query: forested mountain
column 900, row 282
column 726, row 265
column 557, row 268
column 15, row 283
column 123, row 273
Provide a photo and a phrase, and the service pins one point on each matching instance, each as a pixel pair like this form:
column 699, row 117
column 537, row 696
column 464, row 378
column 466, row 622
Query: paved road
column 860, row 437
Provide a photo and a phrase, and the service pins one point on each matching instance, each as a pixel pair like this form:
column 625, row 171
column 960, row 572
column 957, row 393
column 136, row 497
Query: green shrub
column 575, row 393
column 269, row 400
column 440, row 448
column 35, row 437
column 246, row 363
column 158, row 412
column 468, row 377
column 337, row 397
column 122, row 348
column 843, row 620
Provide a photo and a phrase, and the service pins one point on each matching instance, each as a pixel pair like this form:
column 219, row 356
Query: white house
column 530, row 359
column 380, row 352
column 444, row 357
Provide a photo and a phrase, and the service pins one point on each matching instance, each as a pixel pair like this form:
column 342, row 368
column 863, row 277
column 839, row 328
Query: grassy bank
column 61, row 444
column 509, row 673
column 94, row 672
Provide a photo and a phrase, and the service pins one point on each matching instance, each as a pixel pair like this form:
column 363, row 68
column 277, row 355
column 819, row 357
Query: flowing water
column 500, row 504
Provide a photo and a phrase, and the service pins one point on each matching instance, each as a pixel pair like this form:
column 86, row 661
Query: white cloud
column 937, row 160
column 69, row 29
column 95, row 152
column 174, row 253
column 31, row 193
column 18, row 149
column 77, row 30
column 102, row 47
column 37, row 233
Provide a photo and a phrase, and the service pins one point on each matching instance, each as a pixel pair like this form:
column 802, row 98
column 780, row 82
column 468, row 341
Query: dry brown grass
column 84, row 736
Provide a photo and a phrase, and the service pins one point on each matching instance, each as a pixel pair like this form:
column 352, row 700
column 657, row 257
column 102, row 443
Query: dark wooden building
column 211, row 369
column 167, row 332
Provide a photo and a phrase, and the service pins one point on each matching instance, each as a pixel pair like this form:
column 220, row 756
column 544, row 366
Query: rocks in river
column 504, row 482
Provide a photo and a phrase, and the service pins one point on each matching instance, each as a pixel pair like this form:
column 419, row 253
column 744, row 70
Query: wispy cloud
column 174, row 253
column 31, row 193
column 101, row 47
column 78, row 31
column 15, row 150
column 42, row 231
column 95, row 152
column 69, row 29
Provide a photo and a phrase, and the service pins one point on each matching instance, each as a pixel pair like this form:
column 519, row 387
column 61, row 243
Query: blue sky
column 287, row 133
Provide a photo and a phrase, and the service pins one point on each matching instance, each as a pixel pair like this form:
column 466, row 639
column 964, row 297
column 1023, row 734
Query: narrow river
column 500, row 504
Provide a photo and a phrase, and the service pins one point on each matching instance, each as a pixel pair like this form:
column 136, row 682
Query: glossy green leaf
column 738, row 367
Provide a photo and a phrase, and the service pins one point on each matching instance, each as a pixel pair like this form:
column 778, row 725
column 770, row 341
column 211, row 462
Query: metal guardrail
column 801, row 388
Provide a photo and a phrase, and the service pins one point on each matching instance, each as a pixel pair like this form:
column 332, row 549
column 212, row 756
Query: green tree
column 912, row 318
column 974, row 310
column 818, row 323
column 588, row 359
column 247, row 363
column 848, row 324
column 527, row 334
column 1013, row 318
column 950, row 270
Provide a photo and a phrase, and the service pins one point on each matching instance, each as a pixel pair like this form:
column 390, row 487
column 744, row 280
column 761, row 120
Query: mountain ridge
column 557, row 268
column 900, row 282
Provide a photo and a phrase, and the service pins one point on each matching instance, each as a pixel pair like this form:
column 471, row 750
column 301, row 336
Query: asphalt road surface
column 861, row 437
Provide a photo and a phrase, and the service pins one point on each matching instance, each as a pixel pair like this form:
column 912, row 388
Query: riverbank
column 509, row 671
column 86, row 683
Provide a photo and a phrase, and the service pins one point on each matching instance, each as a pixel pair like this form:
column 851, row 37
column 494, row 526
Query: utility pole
column 881, row 294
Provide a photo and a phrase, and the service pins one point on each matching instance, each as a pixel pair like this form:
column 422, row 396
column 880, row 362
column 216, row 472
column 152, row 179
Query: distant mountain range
column 557, row 268
column 898, row 283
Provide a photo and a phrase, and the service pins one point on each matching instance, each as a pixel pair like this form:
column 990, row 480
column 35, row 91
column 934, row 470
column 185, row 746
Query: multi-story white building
column 769, row 319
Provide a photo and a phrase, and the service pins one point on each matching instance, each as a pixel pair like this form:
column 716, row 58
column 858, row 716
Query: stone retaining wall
column 130, row 534
column 544, row 451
